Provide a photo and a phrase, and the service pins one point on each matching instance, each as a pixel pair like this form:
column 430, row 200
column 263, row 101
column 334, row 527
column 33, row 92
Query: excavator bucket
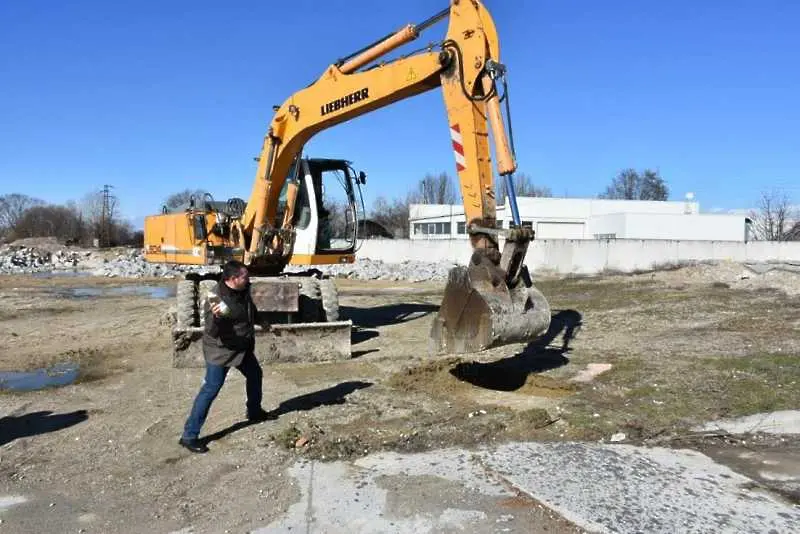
column 480, row 310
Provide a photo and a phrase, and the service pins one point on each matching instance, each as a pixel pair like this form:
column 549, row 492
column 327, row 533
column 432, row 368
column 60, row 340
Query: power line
column 105, row 216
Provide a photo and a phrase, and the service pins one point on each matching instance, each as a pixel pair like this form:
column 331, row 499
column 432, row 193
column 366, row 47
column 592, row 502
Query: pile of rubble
column 16, row 258
column 19, row 258
column 131, row 264
column 367, row 269
column 783, row 276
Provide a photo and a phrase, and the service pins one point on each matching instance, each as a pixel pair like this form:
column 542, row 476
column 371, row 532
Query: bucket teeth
column 479, row 311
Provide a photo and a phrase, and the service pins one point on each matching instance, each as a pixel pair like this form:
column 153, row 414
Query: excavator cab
column 325, row 217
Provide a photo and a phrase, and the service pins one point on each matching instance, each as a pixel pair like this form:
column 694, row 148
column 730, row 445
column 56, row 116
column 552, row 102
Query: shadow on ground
column 386, row 315
column 35, row 423
column 309, row 401
column 510, row 374
column 360, row 335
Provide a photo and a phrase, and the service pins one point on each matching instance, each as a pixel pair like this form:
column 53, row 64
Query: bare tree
column 523, row 186
column 794, row 233
column 102, row 220
column 431, row 189
column 392, row 215
column 435, row 189
column 653, row 186
column 96, row 213
column 182, row 198
column 625, row 186
column 60, row 222
column 773, row 219
column 340, row 222
column 12, row 208
column 630, row 185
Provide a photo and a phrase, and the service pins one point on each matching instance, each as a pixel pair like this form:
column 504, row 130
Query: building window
column 605, row 236
column 433, row 228
column 462, row 228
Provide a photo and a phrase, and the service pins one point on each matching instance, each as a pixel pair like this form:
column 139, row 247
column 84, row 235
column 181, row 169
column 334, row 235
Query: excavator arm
column 464, row 66
column 488, row 303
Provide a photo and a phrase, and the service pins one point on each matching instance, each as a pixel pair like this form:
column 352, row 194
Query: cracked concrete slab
column 441, row 491
column 533, row 487
column 781, row 422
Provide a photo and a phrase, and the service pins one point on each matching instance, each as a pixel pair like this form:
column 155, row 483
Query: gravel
column 367, row 269
column 47, row 256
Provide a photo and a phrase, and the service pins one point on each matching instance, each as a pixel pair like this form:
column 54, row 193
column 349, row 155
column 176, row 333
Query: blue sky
column 154, row 97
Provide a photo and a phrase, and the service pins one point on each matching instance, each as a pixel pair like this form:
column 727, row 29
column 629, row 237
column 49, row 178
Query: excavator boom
column 347, row 90
column 490, row 302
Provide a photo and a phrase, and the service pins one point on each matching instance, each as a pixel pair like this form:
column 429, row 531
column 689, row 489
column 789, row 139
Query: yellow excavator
column 285, row 222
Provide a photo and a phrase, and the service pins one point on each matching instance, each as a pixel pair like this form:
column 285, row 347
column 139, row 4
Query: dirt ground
column 668, row 350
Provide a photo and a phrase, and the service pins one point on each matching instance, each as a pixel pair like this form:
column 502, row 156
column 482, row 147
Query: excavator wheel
column 310, row 295
column 330, row 299
column 202, row 298
column 186, row 296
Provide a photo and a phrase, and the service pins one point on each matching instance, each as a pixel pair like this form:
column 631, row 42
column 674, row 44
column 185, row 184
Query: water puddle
column 59, row 375
column 155, row 292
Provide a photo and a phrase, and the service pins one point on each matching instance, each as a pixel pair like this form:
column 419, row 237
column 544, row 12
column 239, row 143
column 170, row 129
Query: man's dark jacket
column 228, row 338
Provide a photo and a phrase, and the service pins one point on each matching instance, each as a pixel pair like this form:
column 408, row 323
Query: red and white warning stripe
column 458, row 147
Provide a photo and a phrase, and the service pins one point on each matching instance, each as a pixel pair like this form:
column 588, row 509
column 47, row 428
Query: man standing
column 228, row 341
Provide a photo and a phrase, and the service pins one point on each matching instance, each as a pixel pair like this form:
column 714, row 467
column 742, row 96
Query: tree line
column 81, row 222
column 775, row 218
column 441, row 188
column 75, row 222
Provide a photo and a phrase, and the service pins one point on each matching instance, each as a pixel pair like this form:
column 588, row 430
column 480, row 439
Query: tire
column 310, row 300
column 204, row 287
column 330, row 299
column 186, row 315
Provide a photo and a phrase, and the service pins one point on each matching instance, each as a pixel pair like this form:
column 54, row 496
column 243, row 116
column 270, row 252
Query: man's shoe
column 194, row 445
column 260, row 416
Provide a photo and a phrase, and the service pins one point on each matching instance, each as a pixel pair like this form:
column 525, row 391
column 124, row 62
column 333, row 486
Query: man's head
column 235, row 275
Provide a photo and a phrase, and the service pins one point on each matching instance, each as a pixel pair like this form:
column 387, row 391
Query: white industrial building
column 578, row 218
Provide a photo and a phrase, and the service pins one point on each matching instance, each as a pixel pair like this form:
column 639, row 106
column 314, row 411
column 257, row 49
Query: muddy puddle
column 56, row 376
column 152, row 291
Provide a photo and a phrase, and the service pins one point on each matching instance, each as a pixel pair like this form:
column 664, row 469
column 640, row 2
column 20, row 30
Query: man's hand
column 216, row 309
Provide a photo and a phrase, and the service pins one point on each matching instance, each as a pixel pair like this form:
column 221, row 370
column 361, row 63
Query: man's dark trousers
column 214, row 379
